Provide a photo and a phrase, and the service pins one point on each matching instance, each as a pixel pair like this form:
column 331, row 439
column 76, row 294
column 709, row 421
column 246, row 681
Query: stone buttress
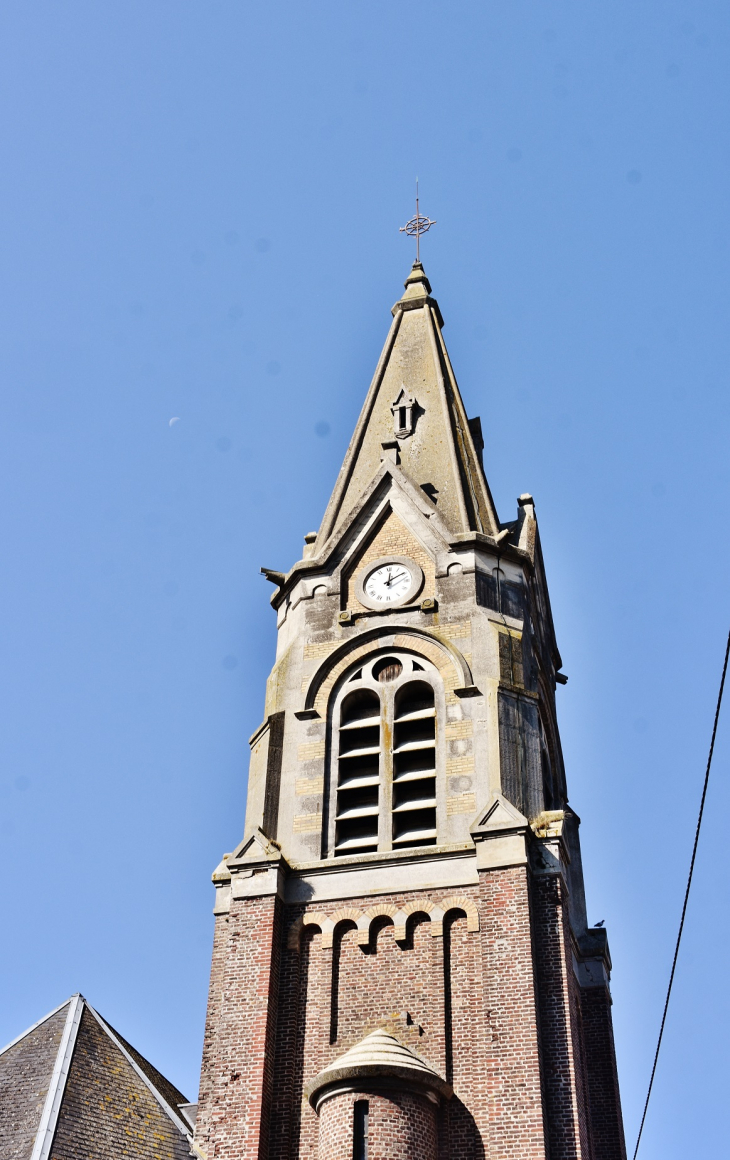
column 402, row 965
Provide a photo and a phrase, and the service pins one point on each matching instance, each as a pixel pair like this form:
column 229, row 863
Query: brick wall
column 238, row 1069
column 512, row 1065
column 496, row 1011
column 465, row 1117
column 401, row 1126
column 604, row 1100
column 560, row 1023
column 212, row 1022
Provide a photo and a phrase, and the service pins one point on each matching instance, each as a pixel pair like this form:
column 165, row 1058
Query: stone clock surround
column 417, row 578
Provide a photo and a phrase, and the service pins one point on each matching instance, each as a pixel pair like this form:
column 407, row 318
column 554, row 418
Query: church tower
column 402, row 967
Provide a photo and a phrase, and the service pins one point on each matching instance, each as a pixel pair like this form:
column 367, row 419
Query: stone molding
column 348, row 652
column 436, row 912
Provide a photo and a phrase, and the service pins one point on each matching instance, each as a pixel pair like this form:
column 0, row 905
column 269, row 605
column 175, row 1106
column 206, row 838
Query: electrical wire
column 686, row 894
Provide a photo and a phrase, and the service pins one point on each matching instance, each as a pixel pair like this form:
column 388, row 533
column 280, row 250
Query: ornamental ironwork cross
column 416, row 226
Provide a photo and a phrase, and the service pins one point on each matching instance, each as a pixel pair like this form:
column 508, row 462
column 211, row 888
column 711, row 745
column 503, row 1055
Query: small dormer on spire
column 404, row 408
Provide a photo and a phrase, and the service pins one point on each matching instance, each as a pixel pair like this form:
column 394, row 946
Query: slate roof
column 71, row 1088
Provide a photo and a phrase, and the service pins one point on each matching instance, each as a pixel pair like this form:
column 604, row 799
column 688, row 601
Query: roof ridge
column 160, row 1081
column 177, row 1118
column 38, row 1023
column 49, row 1116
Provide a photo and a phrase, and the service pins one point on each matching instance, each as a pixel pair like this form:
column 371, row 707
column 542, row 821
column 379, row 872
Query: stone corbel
column 221, row 879
column 548, row 851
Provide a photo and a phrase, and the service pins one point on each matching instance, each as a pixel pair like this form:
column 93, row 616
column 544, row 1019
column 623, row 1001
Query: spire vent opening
column 405, row 411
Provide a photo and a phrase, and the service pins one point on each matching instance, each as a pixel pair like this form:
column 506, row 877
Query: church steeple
column 401, row 933
column 414, row 416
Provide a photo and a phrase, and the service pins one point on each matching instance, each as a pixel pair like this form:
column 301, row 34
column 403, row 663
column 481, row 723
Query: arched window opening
column 358, row 772
column 387, row 670
column 385, row 757
column 414, row 766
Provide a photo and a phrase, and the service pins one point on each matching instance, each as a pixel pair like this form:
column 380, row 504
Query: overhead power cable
column 686, row 893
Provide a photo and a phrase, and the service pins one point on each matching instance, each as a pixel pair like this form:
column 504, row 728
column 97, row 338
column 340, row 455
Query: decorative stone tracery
column 448, row 659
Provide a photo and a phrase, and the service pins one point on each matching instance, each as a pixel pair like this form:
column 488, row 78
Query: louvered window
column 385, row 757
column 414, row 765
column 358, row 785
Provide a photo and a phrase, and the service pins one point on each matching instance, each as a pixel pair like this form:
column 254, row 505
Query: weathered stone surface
column 410, row 871
column 71, row 1087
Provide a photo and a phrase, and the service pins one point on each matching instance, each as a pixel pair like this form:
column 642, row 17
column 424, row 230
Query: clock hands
column 391, row 578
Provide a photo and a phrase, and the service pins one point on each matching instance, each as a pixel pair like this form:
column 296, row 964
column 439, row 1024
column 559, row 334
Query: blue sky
column 199, row 212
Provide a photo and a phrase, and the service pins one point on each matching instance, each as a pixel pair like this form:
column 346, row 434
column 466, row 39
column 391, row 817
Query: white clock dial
column 388, row 583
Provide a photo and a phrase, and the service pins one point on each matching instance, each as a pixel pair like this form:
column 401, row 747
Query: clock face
column 388, row 583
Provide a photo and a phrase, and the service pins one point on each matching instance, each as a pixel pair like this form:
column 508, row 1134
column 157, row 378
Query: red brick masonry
column 497, row 1011
column 401, row 1125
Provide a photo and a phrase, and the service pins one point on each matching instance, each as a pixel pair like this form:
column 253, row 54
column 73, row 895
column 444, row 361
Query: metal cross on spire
column 416, row 226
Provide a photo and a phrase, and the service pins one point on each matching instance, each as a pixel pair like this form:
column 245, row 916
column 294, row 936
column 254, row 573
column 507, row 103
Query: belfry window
column 384, row 783
column 359, row 771
column 414, row 765
column 548, row 781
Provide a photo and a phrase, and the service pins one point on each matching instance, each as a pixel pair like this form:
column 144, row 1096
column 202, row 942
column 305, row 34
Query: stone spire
column 414, row 416
column 405, row 915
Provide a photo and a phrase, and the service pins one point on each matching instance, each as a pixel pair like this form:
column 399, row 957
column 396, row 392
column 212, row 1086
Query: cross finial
column 416, row 226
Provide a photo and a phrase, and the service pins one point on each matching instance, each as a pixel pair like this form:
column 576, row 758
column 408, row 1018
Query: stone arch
column 383, row 910
column 450, row 662
column 344, row 914
column 461, row 902
column 422, row 909
column 378, row 926
column 436, row 913
column 313, row 918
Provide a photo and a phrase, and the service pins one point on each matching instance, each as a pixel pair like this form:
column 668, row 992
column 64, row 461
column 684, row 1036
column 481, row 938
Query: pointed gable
column 26, row 1069
column 414, row 414
column 108, row 1110
column 391, row 538
column 71, row 1088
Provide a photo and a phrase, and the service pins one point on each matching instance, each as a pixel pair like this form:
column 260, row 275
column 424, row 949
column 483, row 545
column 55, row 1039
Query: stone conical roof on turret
column 415, row 407
column 379, row 1056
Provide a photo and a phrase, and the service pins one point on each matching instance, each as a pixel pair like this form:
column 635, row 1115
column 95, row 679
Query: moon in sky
column 175, row 419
